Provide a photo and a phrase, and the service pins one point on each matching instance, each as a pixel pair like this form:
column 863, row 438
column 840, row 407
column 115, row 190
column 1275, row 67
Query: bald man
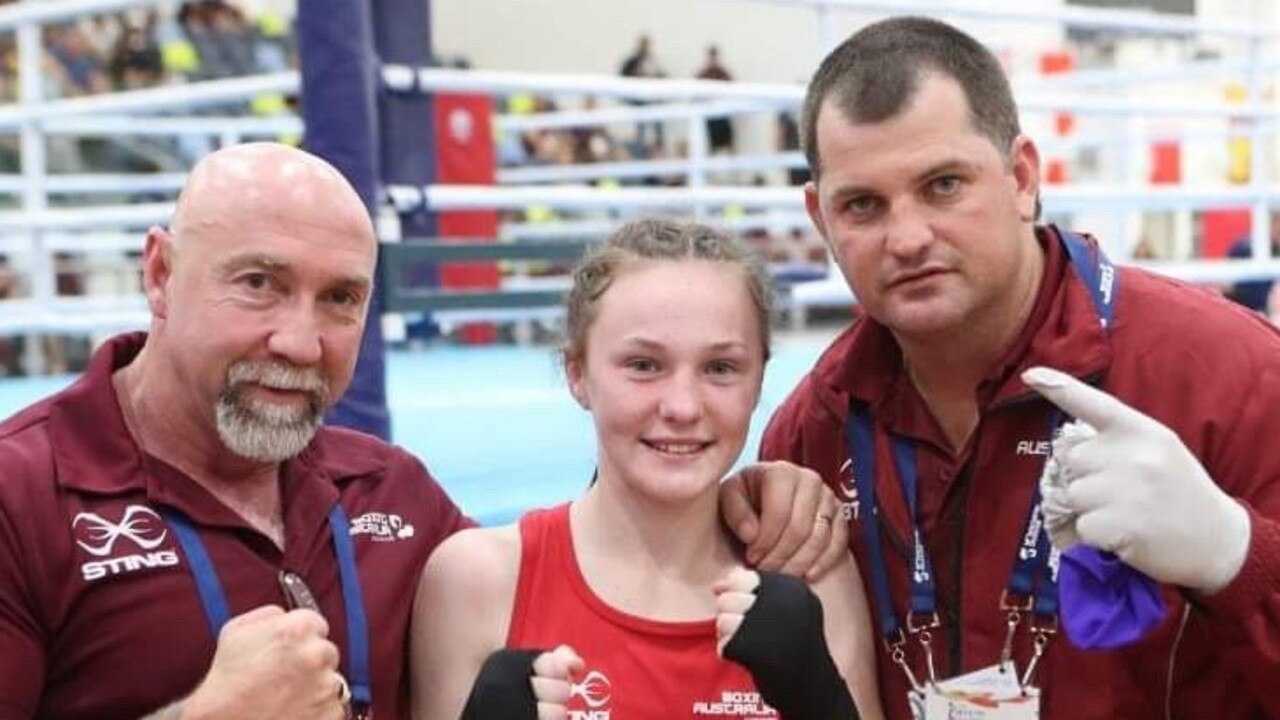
column 159, row 516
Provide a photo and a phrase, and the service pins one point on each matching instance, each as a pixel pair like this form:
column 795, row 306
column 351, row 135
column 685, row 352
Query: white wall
column 759, row 41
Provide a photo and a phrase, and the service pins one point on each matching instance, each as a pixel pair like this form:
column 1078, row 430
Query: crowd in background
column 653, row 141
column 143, row 47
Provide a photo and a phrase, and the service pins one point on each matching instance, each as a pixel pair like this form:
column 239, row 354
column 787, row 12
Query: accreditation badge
column 992, row 693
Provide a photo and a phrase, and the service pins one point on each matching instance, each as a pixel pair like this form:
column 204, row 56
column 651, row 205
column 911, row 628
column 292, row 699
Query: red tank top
column 636, row 669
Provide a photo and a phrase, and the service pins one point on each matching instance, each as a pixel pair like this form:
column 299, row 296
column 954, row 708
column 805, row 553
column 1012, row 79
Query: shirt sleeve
column 23, row 660
column 446, row 517
column 1244, row 617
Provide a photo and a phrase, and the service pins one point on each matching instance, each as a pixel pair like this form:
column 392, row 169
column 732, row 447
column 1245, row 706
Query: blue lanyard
column 1098, row 273
column 216, row 609
column 1035, row 568
column 1036, row 555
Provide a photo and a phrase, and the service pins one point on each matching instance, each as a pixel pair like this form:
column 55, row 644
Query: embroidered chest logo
column 381, row 527
column 594, row 691
column 128, row 545
column 847, row 492
column 737, row 704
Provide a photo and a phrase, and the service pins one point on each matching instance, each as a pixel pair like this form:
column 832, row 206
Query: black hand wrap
column 502, row 690
column 781, row 642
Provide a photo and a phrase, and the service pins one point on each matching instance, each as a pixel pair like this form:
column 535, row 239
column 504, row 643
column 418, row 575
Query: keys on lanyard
column 298, row 596
column 296, row 593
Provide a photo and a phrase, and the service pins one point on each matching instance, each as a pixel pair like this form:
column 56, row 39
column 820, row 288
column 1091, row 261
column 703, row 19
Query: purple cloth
column 1105, row 604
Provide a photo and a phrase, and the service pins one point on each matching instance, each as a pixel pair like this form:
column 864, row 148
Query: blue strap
column 1035, row 564
column 216, row 609
column 862, row 453
column 208, row 585
column 1098, row 273
column 353, row 600
column 923, row 595
column 1046, row 603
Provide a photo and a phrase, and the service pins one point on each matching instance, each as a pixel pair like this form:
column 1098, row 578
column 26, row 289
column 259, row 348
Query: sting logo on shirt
column 139, row 525
column 594, row 691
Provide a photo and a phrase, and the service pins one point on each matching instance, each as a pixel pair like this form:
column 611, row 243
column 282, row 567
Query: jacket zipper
column 957, row 568
column 1173, row 661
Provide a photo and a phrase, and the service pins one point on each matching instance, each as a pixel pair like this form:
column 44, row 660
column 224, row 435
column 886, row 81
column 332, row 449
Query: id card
column 992, row 693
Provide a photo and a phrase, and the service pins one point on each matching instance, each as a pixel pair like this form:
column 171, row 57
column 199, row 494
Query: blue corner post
column 402, row 36
column 340, row 90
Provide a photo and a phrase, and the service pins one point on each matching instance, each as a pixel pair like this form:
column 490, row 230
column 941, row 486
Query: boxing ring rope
column 190, row 95
column 16, row 15
column 43, row 230
column 86, row 184
column 231, row 126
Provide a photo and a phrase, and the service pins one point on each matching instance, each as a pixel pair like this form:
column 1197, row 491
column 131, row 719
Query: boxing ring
column 444, row 401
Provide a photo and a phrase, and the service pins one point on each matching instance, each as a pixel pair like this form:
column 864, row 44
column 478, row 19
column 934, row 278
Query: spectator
column 77, row 68
column 641, row 63
column 221, row 37
column 591, row 143
column 135, row 61
column 719, row 129
column 789, row 141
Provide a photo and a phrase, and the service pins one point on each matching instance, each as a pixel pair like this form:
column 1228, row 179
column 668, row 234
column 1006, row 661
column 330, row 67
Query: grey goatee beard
column 265, row 431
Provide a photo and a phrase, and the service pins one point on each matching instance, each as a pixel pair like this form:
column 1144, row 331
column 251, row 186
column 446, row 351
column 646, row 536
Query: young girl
column 638, row 585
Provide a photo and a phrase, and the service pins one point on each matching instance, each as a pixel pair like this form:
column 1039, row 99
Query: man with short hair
column 158, row 515
column 927, row 417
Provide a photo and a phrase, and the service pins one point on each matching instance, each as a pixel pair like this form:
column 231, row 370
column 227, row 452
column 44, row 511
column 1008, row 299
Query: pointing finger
column 1087, row 403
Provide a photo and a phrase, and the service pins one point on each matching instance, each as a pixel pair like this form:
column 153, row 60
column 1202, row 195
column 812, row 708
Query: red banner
column 465, row 155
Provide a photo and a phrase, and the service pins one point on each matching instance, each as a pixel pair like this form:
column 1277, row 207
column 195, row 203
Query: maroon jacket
column 1202, row 366
column 99, row 615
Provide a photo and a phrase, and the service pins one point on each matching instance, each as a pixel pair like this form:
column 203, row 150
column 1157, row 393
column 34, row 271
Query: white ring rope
column 119, row 183
column 51, row 11
column 1057, row 198
column 191, row 95
column 237, row 126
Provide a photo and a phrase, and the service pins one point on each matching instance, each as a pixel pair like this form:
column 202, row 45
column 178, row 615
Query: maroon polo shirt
column 99, row 614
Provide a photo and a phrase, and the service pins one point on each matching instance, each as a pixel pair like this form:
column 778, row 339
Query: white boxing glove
column 1132, row 488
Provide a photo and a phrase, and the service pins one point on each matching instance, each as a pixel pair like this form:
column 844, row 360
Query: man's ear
column 157, row 270
column 1024, row 160
column 573, row 370
column 813, row 204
